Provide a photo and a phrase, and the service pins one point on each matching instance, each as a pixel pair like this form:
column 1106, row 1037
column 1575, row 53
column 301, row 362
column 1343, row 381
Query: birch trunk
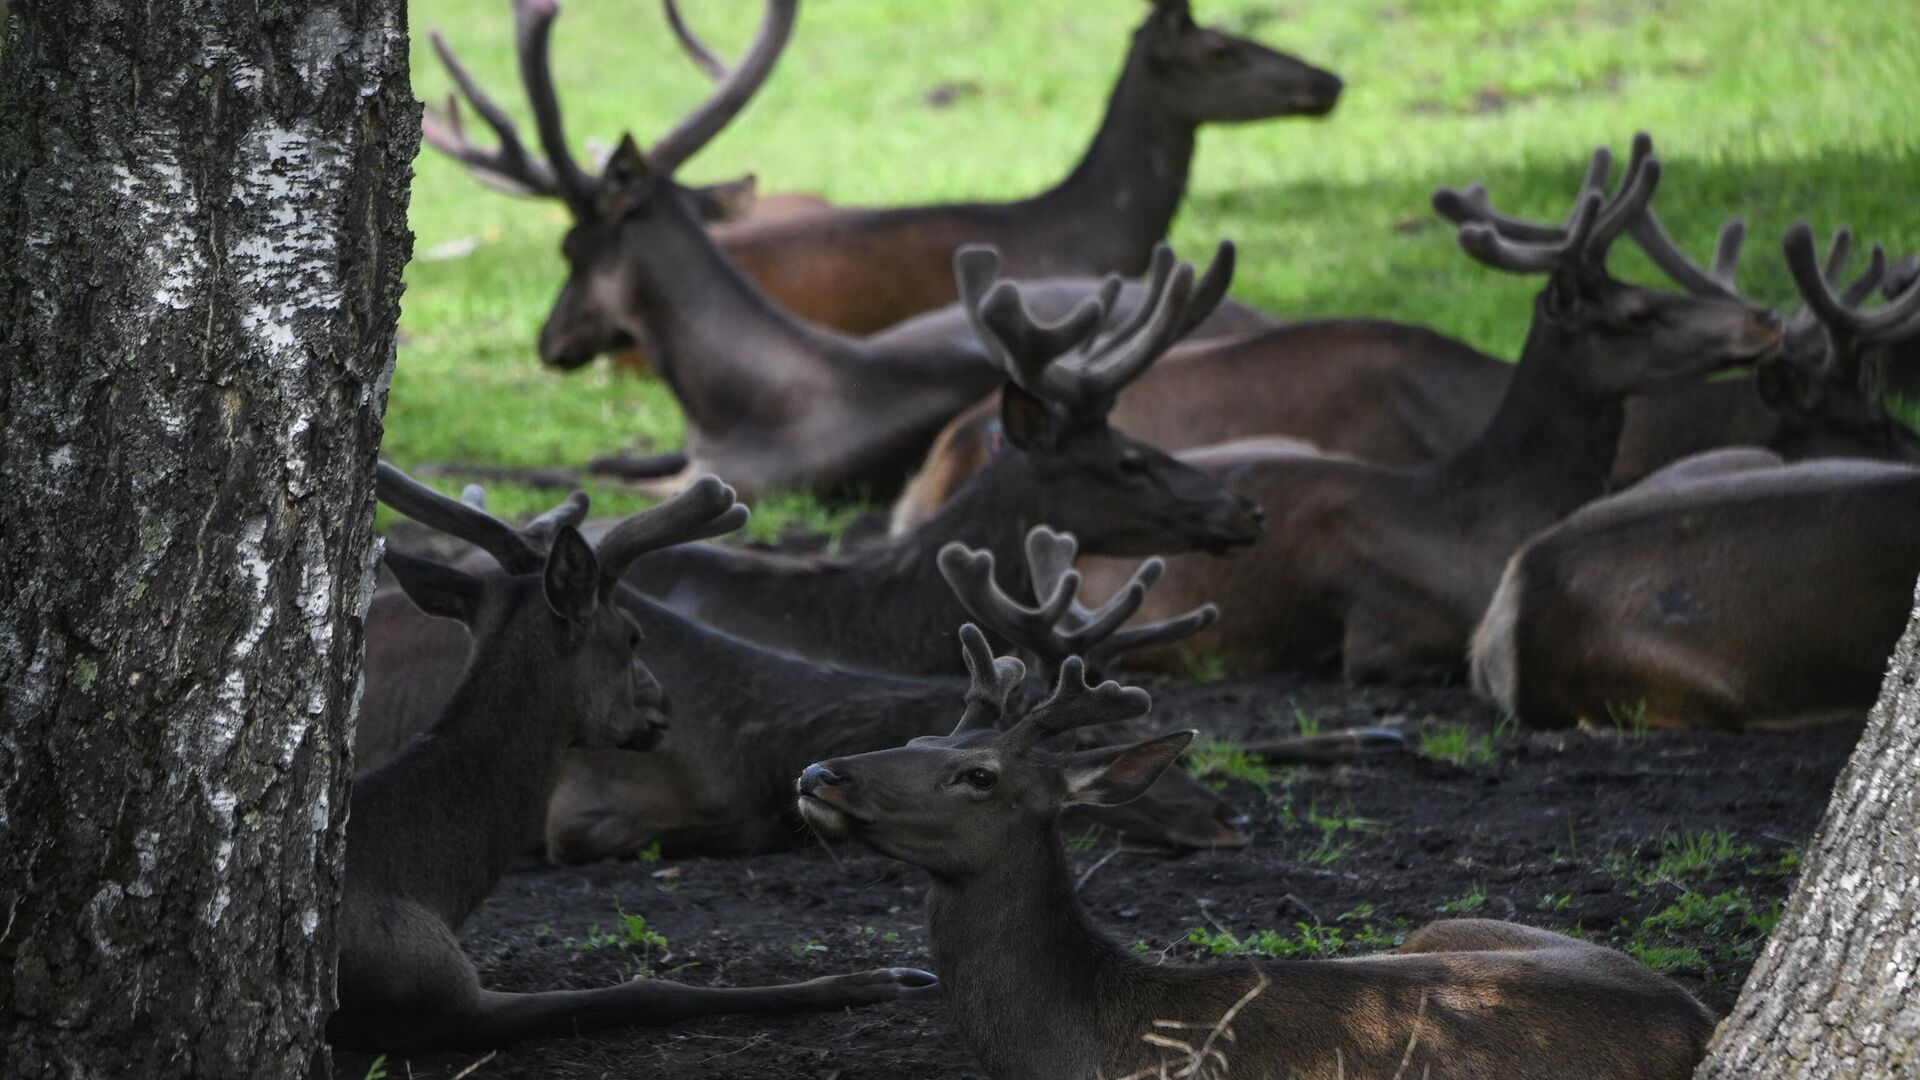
column 202, row 228
column 1836, row 992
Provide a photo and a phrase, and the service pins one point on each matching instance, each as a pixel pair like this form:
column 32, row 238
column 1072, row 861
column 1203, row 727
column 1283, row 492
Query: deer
column 555, row 666
column 717, row 783
column 770, row 400
column 885, row 607
column 1723, row 592
column 1396, row 394
column 1037, row 990
column 1388, row 570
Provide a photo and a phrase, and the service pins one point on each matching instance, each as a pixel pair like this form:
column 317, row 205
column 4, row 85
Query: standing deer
column 886, row 607
column 770, row 401
column 1388, row 570
column 1722, row 592
column 1038, row 991
column 554, row 666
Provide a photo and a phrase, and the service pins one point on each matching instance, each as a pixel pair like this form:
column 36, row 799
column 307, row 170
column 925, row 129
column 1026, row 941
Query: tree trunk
column 202, row 228
column 1836, row 992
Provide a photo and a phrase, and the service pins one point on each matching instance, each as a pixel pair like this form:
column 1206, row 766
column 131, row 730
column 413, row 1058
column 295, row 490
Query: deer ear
column 1027, row 421
column 1114, row 775
column 627, row 180
column 436, row 588
column 572, row 577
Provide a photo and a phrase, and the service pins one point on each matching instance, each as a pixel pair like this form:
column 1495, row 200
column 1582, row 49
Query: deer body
column 1762, row 597
column 1038, row 991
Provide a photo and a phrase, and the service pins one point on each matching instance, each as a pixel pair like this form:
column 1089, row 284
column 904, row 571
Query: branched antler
column 708, row 508
column 1060, row 627
column 1517, row 245
column 991, row 681
column 518, row 551
column 1840, row 311
column 1078, row 361
column 1075, row 703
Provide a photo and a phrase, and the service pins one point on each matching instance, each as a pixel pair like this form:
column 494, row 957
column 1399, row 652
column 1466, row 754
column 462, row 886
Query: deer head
column 551, row 602
column 1817, row 382
column 1201, row 75
column 1608, row 338
column 633, row 184
column 1120, row 495
column 955, row 804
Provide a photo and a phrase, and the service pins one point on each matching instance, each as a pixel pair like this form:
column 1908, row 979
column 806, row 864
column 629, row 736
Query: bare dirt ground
column 1678, row 845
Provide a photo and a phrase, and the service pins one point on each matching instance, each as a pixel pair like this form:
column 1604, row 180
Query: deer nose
column 818, row 776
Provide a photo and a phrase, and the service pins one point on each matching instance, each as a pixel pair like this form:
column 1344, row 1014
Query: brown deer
column 1388, row 570
column 1720, row 592
column 1401, row 395
column 859, row 270
column 885, row 607
column 1038, row 991
column 554, row 666
column 770, row 400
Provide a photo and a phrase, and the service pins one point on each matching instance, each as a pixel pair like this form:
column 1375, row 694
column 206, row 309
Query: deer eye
column 980, row 779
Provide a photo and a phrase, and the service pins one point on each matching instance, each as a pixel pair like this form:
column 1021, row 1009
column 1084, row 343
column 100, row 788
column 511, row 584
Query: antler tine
column 1149, row 635
column 1075, row 704
column 508, row 168
column 1637, row 184
column 1121, row 358
column 738, row 86
column 708, row 508
column 1856, row 292
column 969, row 574
column 1486, row 243
column 571, row 511
column 1029, row 347
column 1831, row 309
column 1900, row 276
column 1472, row 205
column 457, row 519
column 533, row 29
column 703, row 58
column 991, row 681
column 1659, row 245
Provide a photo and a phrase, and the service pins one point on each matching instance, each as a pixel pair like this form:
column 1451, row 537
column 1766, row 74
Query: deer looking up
column 1722, row 592
column 770, row 401
column 1387, row 570
column 1038, row 991
column 554, row 666
column 886, row 607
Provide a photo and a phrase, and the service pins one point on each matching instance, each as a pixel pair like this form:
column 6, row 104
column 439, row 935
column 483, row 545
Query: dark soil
column 1585, row 832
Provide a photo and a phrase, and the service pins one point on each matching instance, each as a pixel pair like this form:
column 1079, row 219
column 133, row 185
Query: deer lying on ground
column 1721, row 592
column 430, row 832
column 745, row 718
column 770, row 401
column 1038, row 991
column 1388, row 570
column 1401, row 395
column 885, row 607
column 859, row 270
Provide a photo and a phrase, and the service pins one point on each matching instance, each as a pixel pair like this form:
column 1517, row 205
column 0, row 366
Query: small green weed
column 1554, row 902
column 378, row 1069
column 1684, row 855
column 1306, row 941
column 1215, row 761
column 1457, row 744
column 1629, row 720
column 1203, row 667
column 1472, row 900
column 1667, row 959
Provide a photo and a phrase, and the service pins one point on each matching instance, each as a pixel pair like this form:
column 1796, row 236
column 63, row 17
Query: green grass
column 1458, row 744
column 1775, row 110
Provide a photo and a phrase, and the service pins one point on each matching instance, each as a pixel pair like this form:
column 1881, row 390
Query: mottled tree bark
column 1836, row 992
column 202, row 228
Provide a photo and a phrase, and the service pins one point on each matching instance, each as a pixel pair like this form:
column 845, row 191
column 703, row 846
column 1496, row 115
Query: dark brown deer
column 1719, row 593
column 859, row 270
column 886, row 607
column 1388, row 570
column 1401, row 395
column 1038, row 991
column 770, row 401
column 555, row 666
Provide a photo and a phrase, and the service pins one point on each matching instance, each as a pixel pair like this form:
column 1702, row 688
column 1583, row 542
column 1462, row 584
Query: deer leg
column 639, row 466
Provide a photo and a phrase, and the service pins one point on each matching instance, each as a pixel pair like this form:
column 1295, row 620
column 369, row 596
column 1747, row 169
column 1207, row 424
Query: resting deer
column 1038, row 991
column 1387, row 569
column 885, row 607
column 1720, row 592
column 747, row 718
column 1395, row 394
column 770, row 401
column 555, row 666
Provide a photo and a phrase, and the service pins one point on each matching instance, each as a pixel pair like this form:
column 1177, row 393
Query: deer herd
column 1675, row 503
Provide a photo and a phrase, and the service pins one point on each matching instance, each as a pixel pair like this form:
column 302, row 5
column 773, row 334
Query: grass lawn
column 1771, row 109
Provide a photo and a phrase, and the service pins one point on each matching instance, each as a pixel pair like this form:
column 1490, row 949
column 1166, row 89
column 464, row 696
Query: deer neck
column 1022, row 968
column 1128, row 185
column 720, row 343
column 481, row 774
column 1550, row 445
